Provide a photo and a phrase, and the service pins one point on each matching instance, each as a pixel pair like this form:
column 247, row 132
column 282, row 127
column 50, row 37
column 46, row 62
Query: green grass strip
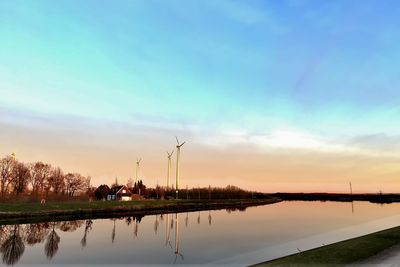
column 342, row 253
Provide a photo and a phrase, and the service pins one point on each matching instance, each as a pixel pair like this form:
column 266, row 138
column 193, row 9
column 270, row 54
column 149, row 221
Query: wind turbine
column 137, row 168
column 178, row 152
column 169, row 168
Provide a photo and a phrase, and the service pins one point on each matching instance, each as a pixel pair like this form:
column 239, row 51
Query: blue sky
column 217, row 69
column 236, row 58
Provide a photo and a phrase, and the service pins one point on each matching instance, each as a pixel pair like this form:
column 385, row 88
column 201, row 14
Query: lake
column 208, row 237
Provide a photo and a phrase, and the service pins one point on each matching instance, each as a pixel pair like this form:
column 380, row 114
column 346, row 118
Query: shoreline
column 34, row 212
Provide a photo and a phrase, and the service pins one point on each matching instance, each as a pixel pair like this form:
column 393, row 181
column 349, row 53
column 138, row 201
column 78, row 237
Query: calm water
column 222, row 236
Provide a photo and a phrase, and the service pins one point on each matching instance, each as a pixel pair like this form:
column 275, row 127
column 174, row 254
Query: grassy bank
column 342, row 253
column 34, row 212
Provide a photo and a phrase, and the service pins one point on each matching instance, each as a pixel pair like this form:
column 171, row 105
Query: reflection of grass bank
column 341, row 253
column 27, row 212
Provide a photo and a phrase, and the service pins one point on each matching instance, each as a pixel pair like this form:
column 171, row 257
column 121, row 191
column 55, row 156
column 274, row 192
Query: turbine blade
column 177, row 140
column 182, row 143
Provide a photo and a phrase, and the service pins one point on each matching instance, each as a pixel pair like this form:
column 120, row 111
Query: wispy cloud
column 292, row 140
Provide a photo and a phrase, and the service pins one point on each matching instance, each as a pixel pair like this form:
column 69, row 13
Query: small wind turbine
column 169, row 167
column 137, row 168
column 178, row 152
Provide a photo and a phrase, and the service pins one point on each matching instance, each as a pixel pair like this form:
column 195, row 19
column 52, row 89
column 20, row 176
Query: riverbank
column 342, row 253
column 35, row 212
column 373, row 198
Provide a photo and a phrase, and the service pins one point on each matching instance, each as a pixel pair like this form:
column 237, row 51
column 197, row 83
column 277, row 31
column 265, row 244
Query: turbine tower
column 178, row 152
column 169, row 168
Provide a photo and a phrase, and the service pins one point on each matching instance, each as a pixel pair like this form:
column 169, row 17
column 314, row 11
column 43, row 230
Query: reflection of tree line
column 13, row 238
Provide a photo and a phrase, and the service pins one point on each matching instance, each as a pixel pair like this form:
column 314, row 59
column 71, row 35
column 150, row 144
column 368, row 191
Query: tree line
column 38, row 180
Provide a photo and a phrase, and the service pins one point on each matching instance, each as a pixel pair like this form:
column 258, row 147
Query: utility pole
column 351, row 189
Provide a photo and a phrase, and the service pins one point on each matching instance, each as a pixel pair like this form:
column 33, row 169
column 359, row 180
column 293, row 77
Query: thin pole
column 137, row 166
column 169, row 171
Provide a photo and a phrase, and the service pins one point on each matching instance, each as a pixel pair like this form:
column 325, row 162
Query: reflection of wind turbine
column 187, row 219
column 167, row 232
column 113, row 232
column 198, row 218
column 177, row 238
column 169, row 167
column 156, row 224
column 136, row 229
column 351, row 195
column 178, row 152
column 209, row 217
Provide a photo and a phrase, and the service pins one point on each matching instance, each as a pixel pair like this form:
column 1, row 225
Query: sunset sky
column 290, row 95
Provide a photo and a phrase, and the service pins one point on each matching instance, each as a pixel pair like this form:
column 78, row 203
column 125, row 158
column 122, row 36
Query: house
column 120, row 192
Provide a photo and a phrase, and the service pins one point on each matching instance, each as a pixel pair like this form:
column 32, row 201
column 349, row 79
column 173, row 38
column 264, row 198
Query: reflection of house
column 120, row 192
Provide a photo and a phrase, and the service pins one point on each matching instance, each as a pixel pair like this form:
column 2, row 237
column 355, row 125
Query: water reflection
column 88, row 227
column 177, row 253
column 13, row 238
column 156, row 225
column 113, row 232
column 52, row 241
column 13, row 246
column 190, row 237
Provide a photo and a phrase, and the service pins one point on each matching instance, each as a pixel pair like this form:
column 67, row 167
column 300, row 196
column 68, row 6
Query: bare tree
column 39, row 174
column 74, row 183
column 129, row 183
column 6, row 173
column 88, row 184
column 56, row 180
column 20, row 179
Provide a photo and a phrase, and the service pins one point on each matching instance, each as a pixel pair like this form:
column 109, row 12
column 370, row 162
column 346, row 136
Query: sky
column 290, row 95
